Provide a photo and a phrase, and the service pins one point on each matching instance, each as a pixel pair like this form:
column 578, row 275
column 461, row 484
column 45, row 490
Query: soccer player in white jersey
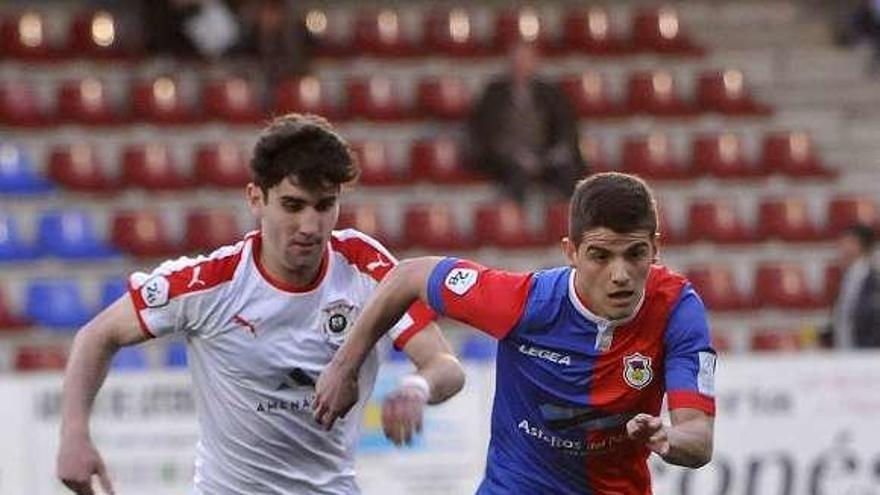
column 261, row 319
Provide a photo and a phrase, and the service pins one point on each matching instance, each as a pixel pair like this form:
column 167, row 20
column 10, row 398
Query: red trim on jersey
column 138, row 303
column 280, row 284
column 421, row 315
column 681, row 399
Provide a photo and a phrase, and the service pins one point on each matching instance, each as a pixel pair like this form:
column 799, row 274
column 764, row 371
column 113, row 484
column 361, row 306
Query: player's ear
column 569, row 250
column 255, row 199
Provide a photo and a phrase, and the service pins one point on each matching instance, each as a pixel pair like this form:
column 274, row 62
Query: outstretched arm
column 687, row 442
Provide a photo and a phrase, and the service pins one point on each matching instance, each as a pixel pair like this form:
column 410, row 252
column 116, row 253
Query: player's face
column 296, row 223
column 611, row 269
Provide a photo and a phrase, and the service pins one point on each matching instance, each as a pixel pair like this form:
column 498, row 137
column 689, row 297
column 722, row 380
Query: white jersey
column 256, row 348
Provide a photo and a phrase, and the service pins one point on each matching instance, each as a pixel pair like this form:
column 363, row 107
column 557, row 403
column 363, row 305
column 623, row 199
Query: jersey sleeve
column 690, row 359
column 492, row 301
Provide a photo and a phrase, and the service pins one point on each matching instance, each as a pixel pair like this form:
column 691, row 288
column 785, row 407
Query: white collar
column 602, row 323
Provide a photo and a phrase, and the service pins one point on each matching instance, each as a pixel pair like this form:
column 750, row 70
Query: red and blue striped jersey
column 567, row 381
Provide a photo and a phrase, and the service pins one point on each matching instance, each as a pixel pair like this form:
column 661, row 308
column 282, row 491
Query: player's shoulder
column 363, row 252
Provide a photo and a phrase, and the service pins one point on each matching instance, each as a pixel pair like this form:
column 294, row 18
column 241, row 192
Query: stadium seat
column 377, row 168
column 786, row 219
column 556, row 222
column 593, row 153
column 40, row 358
column 451, row 32
column 588, row 30
column 721, row 341
column 20, row 106
column 159, row 101
column 833, row 276
column 129, row 358
column 71, row 234
column 56, row 304
column 792, row 154
column 375, row 98
column 520, row 24
column 784, row 285
column 232, row 100
column 24, row 37
column 13, row 247
column 721, row 156
column 652, row 157
column 329, row 31
column 478, row 347
column 381, row 33
column 222, row 165
column 669, row 233
column 151, row 166
column 655, row 93
column 717, row 287
column 112, row 288
column 305, row 95
column 716, row 221
column 432, row 227
column 141, row 234
column 659, row 31
column 365, row 218
column 588, row 94
column 18, row 174
column 77, row 167
column 207, row 230
column 440, row 161
column 97, row 35
column 444, row 97
column 505, row 226
column 175, row 355
column 85, row 102
column 725, row 92
column 9, row 320
column 776, row 340
column 847, row 210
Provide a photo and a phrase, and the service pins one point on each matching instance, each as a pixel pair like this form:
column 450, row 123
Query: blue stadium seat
column 71, row 234
column 131, row 358
column 12, row 247
column 112, row 289
column 56, row 304
column 18, row 174
column 175, row 355
column 478, row 347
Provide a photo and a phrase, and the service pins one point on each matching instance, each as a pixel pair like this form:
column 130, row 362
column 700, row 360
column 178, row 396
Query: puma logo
column 248, row 325
column 375, row 265
column 196, row 281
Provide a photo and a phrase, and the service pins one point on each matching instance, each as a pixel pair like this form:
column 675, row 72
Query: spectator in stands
column 864, row 23
column 855, row 320
column 522, row 130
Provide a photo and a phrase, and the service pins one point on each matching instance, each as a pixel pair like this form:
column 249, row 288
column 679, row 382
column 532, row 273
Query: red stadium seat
column 141, row 233
column 78, row 168
column 787, row 219
column 24, row 37
column 659, row 31
column 792, row 154
column 669, row 234
column 451, row 32
column 716, row 221
column 160, row 101
column 40, row 358
column 85, row 102
column 516, row 25
column 776, row 340
column 20, row 106
column 9, row 320
column 381, row 33
column 655, row 93
column 717, row 287
column 222, row 164
column 845, row 211
column 232, row 100
column 377, row 167
column 722, row 156
column 589, row 95
column 833, row 278
column 207, row 230
column 721, row 341
column 98, row 35
column 444, row 97
column 376, row 98
column 725, row 92
column 432, row 227
column 440, row 161
column 151, row 166
column 589, row 31
column 556, row 222
column 784, row 285
column 505, row 226
column 330, row 32
column 593, row 153
column 652, row 157
column 305, row 95
column 365, row 218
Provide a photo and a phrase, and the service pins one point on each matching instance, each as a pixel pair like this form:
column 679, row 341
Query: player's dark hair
column 303, row 147
column 863, row 234
column 620, row 202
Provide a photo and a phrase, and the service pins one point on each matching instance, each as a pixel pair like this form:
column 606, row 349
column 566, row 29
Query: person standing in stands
column 855, row 319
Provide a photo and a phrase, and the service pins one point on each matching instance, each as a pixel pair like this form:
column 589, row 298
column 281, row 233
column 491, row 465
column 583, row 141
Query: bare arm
column 93, row 348
column 435, row 362
column 687, row 442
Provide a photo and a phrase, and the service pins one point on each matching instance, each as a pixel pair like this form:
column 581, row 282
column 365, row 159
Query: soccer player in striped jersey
column 586, row 352
column 261, row 319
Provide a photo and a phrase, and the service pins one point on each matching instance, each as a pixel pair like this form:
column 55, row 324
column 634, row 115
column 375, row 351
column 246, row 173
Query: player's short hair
column 304, row 147
column 621, row 202
column 863, row 234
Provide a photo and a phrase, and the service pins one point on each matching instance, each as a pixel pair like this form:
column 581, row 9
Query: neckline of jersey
column 280, row 284
column 593, row 317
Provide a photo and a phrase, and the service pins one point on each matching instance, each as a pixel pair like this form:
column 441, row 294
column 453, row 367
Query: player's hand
column 649, row 430
column 335, row 393
column 78, row 462
column 402, row 412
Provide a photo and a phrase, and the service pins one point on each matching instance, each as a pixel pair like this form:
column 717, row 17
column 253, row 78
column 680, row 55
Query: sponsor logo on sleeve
column 460, row 280
column 706, row 375
column 637, row 371
column 155, row 292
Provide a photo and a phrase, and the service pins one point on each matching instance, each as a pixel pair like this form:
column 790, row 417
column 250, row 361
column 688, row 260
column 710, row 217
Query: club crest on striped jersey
column 338, row 319
column 460, row 280
column 155, row 291
column 637, row 372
